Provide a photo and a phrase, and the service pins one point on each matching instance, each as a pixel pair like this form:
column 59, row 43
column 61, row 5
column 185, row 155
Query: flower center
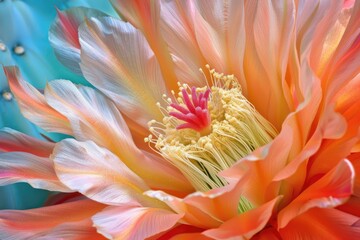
column 206, row 130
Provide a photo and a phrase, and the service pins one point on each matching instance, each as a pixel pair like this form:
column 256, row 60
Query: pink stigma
column 196, row 114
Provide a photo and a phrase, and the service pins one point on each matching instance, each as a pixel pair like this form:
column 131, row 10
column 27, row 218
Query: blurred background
column 24, row 26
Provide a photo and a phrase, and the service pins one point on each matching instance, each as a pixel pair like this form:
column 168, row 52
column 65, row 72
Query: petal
column 82, row 230
column 245, row 225
column 23, row 167
column 14, row 141
column 116, row 59
column 177, row 28
column 97, row 173
column 332, row 190
column 220, row 34
column 267, row 234
column 355, row 160
column 265, row 62
column 63, row 35
column 95, row 117
column 352, row 206
column 183, row 232
column 189, row 236
column 33, row 105
column 328, row 35
column 145, row 16
column 193, row 215
column 322, row 224
column 205, row 209
column 129, row 222
column 344, row 63
column 63, row 221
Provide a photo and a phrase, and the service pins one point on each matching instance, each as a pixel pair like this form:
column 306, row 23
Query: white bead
column 19, row 50
column 2, row 47
column 7, row 96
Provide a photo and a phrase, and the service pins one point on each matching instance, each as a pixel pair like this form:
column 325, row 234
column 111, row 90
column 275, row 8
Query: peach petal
column 331, row 190
column 131, row 222
column 177, row 28
column 245, row 225
column 343, row 65
column 320, row 223
column 219, row 29
column 267, row 61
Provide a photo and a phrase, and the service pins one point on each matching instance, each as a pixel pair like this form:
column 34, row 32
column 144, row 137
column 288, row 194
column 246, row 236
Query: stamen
column 195, row 113
column 218, row 127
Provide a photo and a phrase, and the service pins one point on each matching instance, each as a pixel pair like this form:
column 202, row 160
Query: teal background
column 26, row 23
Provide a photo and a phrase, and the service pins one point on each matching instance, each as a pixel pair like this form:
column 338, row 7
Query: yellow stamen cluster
column 236, row 130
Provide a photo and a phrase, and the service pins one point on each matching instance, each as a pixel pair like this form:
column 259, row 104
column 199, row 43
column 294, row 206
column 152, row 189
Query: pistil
column 195, row 113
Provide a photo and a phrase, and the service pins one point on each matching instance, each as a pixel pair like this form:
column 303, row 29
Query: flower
column 263, row 144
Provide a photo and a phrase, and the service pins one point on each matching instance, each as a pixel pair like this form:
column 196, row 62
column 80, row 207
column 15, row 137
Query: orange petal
column 267, row 234
column 355, row 160
column 320, row 223
column 24, row 167
column 352, row 206
column 129, row 222
column 190, row 236
column 95, row 117
column 33, row 105
column 245, row 225
column 182, row 232
column 63, row 221
column 14, row 141
column 332, row 190
column 63, row 35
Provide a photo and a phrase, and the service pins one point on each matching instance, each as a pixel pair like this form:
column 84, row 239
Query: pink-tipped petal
column 33, row 105
column 14, row 141
column 24, row 167
column 63, row 35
